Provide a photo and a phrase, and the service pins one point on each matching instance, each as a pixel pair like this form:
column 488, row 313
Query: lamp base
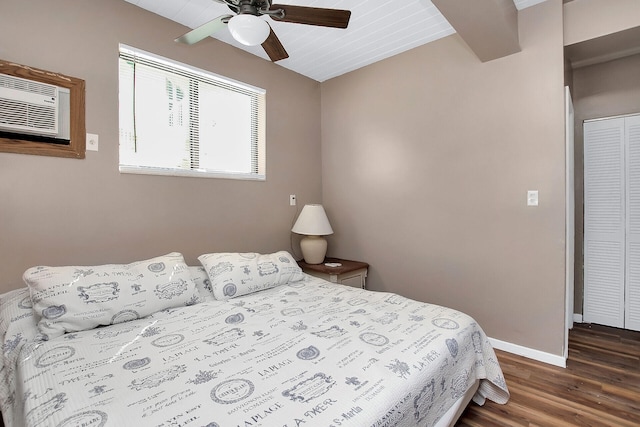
column 314, row 248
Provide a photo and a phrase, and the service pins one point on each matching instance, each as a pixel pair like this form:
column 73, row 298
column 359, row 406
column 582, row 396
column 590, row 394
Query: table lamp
column 314, row 224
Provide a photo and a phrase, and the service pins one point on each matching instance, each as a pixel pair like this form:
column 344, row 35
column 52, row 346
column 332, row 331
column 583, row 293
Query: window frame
column 77, row 137
column 258, row 157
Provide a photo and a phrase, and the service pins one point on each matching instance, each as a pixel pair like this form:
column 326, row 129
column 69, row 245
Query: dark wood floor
column 599, row 387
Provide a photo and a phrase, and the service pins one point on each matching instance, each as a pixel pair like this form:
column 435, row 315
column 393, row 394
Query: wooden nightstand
column 350, row 273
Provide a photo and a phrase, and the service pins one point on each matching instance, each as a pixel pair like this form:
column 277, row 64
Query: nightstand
column 350, row 273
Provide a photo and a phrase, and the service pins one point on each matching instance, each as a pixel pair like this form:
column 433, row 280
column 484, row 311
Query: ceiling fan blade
column 336, row 18
column 204, row 31
column 274, row 48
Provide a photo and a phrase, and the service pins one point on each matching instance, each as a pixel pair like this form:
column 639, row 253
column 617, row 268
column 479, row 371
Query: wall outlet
column 532, row 198
column 292, row 200
column 92, row 142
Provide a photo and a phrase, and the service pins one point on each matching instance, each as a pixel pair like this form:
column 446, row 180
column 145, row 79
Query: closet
column 612, row 222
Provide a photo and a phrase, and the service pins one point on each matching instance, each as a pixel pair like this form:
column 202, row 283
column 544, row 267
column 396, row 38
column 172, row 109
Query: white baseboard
column 577, row 318
column 530, row 353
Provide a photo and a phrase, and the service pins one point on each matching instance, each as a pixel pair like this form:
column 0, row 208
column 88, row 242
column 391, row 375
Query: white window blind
column 179, row 120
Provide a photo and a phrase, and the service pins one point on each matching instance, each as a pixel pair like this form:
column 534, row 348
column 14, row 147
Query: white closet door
column 632, row 299
column 604, row 222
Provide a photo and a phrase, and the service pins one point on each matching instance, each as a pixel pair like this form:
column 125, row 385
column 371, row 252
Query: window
column 179, row 120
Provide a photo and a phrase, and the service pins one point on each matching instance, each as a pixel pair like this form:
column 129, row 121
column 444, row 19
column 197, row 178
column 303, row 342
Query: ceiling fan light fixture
column 249, row 30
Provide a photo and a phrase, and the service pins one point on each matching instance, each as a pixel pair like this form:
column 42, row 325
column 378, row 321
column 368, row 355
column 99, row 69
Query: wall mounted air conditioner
column 28, row 107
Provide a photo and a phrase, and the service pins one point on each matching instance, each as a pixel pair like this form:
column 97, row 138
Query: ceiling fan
column 248, row 28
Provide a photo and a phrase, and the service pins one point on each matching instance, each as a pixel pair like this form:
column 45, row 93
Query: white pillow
column 236, row 274
column 201, row 279
column 75, row 298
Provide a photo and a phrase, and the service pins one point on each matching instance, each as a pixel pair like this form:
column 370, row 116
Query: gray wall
column 56, row 211
column 427, row 159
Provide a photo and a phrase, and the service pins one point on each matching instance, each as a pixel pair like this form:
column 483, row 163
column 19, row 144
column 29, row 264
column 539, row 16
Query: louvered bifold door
column 604, row 222
column 632, row 292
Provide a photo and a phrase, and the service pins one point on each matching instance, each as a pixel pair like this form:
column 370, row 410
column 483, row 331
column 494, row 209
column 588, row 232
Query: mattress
column 309, row 353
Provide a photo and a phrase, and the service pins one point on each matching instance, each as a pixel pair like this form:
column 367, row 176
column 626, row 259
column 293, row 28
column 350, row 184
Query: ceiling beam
column 488, row 27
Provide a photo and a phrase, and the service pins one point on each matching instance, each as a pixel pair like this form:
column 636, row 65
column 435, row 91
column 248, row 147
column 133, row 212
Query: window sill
column 191, row 173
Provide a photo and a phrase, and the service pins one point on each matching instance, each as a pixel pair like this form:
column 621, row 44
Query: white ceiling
column 377, row 30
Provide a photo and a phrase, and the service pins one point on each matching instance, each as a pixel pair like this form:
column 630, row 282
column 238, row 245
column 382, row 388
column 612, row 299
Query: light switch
column 532, row 198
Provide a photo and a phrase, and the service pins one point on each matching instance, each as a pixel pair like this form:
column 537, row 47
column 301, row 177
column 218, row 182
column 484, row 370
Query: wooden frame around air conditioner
column 76, row 148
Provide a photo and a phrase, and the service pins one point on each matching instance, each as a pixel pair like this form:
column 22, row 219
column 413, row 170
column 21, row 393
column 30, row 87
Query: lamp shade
column 249, row 29
column 312, row 221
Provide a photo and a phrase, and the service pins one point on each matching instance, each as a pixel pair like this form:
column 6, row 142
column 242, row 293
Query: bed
column 243, row 340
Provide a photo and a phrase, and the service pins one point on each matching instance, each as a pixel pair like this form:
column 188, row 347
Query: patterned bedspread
column 309, row 353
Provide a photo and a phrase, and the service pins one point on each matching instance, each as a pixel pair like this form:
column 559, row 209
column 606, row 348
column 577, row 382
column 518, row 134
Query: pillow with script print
column 236, row 274
column 77, row 298
column 201, row 279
